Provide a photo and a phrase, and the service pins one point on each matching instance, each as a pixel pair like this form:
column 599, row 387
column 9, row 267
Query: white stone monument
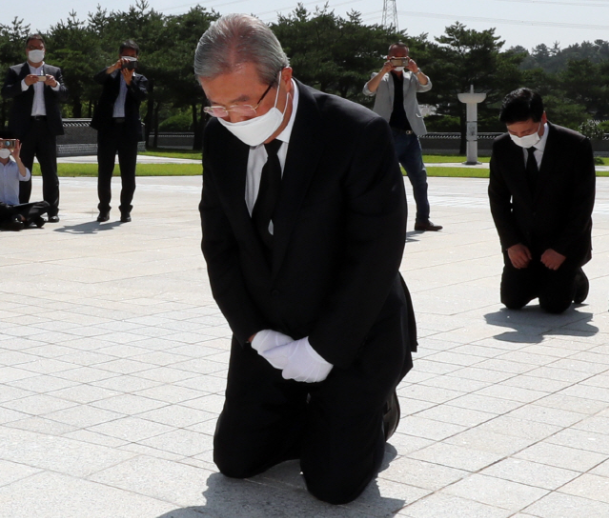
column 472, row 100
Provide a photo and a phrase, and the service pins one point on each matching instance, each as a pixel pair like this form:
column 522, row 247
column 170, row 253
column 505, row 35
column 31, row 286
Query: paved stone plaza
column 113, row 360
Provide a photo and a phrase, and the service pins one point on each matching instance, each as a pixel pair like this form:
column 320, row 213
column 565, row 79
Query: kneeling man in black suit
column 541, row 191
column 304, row 221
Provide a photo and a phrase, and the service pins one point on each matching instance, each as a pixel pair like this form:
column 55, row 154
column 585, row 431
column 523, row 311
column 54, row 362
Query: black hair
column 521, row 105
column 34, row 36
column 129, row 44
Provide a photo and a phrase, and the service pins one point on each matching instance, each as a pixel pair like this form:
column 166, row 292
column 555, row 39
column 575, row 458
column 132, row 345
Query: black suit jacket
column 559, row 216
column 339, row 234
column 136, row 93
column 21, row 111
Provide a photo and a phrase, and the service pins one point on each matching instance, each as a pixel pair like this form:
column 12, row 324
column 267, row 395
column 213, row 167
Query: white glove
column 299, row 361
column 269, row 339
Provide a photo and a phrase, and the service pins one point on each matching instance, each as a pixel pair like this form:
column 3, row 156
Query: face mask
column 398, row 69
column 36, row 56
column 528, row 140
column 254, row 132
column 5, row 153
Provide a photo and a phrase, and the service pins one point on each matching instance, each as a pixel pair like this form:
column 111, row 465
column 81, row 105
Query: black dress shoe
column 53, row 219
column 582, row 287
column 14, row 225
column 125, row 217
column 39, row 221
column 423, row 226
column 104, row 215
column 391, row 415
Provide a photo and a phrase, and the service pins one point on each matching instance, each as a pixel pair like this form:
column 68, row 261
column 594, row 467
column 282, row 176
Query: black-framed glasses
column 240, row 110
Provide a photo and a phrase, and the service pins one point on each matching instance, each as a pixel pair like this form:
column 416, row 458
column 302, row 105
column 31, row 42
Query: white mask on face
column 399, row 69
column 5, row 153
column 254, row 132
column 528, row 140
column 36, row 55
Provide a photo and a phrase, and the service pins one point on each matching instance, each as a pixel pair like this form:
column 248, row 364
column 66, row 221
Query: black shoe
column 582, row 287
column 104, row 215
column 14, row 225
column 422, row 226
column 39, row 221
column 53, row 219
column 391, row 415
column 125, row 217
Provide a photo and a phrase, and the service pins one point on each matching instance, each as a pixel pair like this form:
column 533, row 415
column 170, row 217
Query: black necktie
column 268, row 193
column 532, row 171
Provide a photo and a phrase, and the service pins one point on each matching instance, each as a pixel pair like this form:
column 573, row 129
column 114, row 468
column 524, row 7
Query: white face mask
column 528, row 140
column 36, row 55
column 399, row 69
column 254, row 132
column 5, row 153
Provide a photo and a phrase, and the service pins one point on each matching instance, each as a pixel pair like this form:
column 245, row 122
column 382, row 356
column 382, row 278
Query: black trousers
column 555, row 289
column 29, row 211
column 41, row 143
column 334, row 427
column 119, row 140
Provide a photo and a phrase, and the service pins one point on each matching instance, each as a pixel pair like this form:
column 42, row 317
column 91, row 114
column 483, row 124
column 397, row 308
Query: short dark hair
column 521, row 105
column 401, row 45
column 34, row 36
column 129, row 44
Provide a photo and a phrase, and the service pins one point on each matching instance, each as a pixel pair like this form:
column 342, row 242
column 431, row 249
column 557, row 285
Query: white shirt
column 38, row 106
column 258, row 156
column 539, row 148
column 9, row 182
column 119, row 104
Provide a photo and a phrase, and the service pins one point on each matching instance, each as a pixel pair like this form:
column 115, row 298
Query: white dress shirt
column 119, row 104
column 9, row 182
column 38, row 106
column 539, row 148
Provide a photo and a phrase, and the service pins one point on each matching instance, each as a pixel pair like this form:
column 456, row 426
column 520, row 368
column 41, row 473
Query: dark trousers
column 333, row 427
column 555, row 289
column 109, row 143
column 41, row 143
column 410, row 156
column 30, row 212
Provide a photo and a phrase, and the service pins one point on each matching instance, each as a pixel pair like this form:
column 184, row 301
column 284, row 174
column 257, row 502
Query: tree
column 464, row 57
column 12, row 51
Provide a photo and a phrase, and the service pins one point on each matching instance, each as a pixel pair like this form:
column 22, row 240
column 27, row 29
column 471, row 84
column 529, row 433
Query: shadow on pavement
column 279, row 493
column 531, row 324
column 91, row 227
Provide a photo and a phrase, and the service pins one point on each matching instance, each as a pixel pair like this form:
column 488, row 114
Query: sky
column 527, row 23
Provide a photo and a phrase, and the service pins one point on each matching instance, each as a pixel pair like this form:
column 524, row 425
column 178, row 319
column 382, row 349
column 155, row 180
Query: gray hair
column 235, row 39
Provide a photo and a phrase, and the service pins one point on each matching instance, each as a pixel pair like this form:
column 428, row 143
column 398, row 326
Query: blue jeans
column 410, row 156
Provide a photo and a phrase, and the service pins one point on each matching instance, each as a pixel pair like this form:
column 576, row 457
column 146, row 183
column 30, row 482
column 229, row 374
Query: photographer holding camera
column 15, row 216
column 119, row 128
column 395, row 88
column 36, row 89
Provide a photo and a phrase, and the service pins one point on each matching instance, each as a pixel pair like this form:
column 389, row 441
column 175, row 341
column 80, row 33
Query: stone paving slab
column 113, row 358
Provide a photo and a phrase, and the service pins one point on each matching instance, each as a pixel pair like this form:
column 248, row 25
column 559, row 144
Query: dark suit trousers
column 555, row 289
column 40, row 142
column 334, row 427
column 110, row 142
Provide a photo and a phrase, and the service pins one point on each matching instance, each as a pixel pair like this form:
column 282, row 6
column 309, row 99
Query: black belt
column 119, row 120
column 39, row 117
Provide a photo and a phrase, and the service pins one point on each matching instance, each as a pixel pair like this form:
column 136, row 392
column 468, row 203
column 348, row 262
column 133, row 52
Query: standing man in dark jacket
column 119, row 128
column 541, row 190
column 35, row 119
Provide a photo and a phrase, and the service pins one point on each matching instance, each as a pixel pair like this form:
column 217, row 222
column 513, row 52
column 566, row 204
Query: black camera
column 129, row 65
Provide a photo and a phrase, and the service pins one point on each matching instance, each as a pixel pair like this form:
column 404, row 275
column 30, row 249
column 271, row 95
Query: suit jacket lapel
column 517, row 166
column 551, row 154
column 304, row 152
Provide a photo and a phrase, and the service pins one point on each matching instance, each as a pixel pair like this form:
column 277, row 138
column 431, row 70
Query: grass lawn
column 195, row 169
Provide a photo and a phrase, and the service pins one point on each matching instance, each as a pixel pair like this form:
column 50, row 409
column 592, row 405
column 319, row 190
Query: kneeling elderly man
column 303, row 214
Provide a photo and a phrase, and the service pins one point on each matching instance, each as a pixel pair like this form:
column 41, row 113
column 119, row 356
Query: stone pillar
column 472, row 100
